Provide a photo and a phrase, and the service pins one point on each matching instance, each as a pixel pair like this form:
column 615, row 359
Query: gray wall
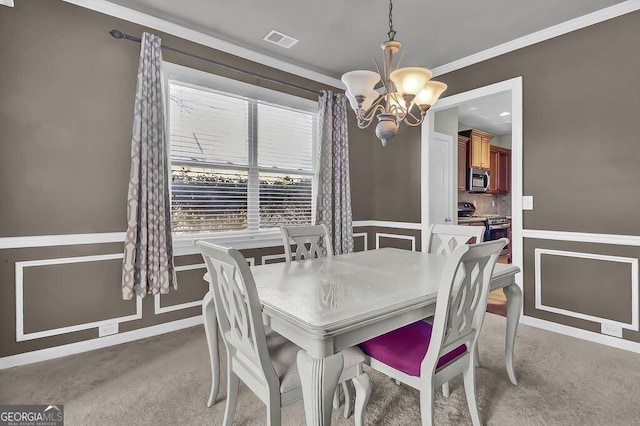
column 580, row 147
column 66, row 102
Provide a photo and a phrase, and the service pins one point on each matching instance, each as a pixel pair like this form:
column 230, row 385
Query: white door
column 440, row 179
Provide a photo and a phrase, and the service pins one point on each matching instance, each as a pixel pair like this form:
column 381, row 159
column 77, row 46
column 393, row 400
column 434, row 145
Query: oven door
column 497, row 232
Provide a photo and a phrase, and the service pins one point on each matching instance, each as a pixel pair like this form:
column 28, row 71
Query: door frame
column 514, row 86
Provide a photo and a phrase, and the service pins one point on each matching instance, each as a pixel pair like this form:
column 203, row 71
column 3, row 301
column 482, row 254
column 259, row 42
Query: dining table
column 328, row 304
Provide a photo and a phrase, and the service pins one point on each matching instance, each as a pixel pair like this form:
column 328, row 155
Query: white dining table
column 329, row 304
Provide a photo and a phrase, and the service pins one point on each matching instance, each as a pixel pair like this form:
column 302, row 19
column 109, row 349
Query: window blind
column 237, row 164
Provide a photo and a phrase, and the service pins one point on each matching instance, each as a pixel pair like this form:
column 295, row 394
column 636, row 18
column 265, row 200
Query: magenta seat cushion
column 405, row 348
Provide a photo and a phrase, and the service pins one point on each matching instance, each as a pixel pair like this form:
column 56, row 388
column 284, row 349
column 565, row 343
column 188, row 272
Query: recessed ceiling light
column 280, row 39
column 504, row 114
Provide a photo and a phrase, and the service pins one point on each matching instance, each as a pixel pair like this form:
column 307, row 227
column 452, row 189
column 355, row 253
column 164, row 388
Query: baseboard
column 101, row 342
column 591, row 336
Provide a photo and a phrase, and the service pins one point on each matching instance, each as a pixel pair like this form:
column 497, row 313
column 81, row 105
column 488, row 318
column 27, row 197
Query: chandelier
column 405, row 96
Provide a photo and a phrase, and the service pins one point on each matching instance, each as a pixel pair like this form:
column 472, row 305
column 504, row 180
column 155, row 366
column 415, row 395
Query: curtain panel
column 148, row 254
column 334, row 185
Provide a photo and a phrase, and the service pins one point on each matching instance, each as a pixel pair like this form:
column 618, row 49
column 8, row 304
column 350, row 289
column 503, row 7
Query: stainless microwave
column 477, row 180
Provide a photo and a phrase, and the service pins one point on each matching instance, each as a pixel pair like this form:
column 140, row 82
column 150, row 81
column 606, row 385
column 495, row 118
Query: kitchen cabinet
column 479, row 148
column 500, row 170
column 463, row 144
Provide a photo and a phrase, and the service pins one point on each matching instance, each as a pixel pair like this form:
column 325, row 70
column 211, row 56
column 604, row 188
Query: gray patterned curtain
column 148, row 254
column 334, row 187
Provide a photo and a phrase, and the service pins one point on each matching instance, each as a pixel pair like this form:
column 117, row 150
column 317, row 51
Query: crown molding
column 146, row 20
column 542, row 35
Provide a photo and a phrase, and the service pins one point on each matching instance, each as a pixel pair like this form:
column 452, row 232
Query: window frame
column 249, row 238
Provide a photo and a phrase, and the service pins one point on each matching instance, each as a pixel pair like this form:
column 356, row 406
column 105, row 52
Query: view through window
column 237, row 164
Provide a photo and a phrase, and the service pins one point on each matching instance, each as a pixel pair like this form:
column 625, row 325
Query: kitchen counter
column 464, row 220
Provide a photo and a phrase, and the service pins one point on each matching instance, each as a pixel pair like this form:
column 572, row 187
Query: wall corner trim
column 591, row 336
column 146, row 20
column 98, row 343
column 542, row 35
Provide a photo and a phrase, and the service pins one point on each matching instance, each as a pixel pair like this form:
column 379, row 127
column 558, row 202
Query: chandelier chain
column 392, row 32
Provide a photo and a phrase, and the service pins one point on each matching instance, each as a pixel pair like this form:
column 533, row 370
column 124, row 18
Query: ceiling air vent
column 280, row 39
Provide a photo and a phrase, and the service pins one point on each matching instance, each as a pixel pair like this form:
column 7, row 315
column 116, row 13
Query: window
column 238, row 163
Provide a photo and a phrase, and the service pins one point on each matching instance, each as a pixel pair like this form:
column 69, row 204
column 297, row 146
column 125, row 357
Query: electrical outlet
column 493, row 203
column 108, row 329
column 527, row 202
column 611, row 330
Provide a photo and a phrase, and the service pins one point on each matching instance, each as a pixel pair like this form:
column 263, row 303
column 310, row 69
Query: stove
column 496, row 226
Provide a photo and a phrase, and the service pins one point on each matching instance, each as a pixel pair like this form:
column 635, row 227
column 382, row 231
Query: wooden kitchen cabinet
column 479, row 148
column 463, row 144
column 500, row 170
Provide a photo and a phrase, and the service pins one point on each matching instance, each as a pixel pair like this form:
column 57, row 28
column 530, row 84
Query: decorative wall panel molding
column 633, row 282
column 19, row 268
column 364, row 236
column 397, row 236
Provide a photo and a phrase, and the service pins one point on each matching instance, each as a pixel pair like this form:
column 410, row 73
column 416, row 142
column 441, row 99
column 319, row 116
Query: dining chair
column 425, row 356
column 317, row 236
column 264, row 360
column 443, row 239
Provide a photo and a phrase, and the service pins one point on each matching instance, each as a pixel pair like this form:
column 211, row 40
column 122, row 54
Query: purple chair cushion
column 405, row 348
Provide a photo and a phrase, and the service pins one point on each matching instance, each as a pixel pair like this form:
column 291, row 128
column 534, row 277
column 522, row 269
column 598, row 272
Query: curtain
column 148, row 254
column 334, row 188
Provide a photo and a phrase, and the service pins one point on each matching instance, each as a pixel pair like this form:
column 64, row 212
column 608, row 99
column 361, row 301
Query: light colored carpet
column 165, row 380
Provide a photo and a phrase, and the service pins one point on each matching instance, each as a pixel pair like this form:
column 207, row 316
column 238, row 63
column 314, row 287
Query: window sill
column 185, row 244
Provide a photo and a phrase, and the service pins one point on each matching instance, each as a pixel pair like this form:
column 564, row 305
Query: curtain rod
column 119, row 34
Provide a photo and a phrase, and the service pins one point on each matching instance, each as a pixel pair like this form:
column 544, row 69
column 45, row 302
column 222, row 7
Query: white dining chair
column 444, row 239
column 264, row 360
column 316, row 236
column 425, row 356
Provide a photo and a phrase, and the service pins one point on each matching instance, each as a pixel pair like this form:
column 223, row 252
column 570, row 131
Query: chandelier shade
column 405, row 96
column 360, row 82
column 410, row 80
column 430, row 93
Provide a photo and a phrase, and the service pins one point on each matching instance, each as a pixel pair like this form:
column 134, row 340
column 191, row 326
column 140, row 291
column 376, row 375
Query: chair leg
column 363, row 386
column 477, row 352
column 232, row 396
column 426, row 404
column 445, row 390
column 336, row 398
column 348, row 397
column 274, row 413
column 471, row 394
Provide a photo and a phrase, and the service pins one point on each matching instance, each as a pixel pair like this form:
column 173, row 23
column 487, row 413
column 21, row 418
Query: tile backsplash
column 488, row 203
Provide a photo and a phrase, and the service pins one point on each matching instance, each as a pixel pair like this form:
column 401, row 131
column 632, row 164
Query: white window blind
column 237, row 164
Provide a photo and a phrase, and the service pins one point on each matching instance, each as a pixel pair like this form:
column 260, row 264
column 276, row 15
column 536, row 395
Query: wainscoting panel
column 192, row 288
column 407, row 242
column 582, row 284
column 63, row 295
column 558, row 273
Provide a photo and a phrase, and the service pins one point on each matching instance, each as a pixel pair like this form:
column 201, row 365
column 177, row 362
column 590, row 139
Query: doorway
column 448, row 109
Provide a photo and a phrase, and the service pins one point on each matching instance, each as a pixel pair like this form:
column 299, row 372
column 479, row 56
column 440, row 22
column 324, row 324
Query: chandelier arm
column 417, row 122
column 373, row 109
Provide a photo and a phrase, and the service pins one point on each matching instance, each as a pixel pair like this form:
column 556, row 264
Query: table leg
column 211, row 332
column 319, row 379
column 514, row 307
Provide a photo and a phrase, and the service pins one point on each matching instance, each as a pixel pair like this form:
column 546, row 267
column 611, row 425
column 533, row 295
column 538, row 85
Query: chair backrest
column 444, row 239
column 317, row 236
column 238, row 310
column 462, row 300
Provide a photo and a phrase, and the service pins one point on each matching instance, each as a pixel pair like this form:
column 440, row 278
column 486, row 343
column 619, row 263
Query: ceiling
column 490, row 113
column 337, row 36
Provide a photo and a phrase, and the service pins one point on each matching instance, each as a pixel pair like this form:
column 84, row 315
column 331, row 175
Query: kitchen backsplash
column 488, row 203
